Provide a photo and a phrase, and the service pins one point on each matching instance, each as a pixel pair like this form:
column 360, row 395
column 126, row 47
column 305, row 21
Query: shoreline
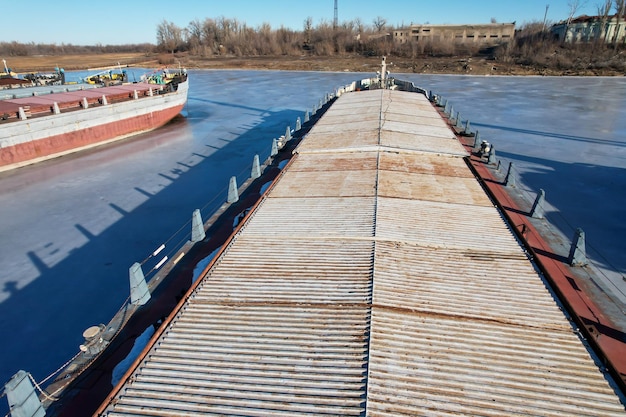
column 429, row 65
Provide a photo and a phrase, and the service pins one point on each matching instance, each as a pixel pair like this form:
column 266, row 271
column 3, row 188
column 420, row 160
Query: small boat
column 163, row 76
column 10, row 79
column 107, row 77
column 47, row 124
column 47, row 78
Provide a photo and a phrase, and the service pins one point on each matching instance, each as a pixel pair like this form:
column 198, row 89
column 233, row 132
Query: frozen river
column 71, row 228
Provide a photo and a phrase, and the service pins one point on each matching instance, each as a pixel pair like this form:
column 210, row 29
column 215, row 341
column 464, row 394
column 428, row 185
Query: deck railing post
column 307, row 117
column 233, row 193
column 298, row 124
column 22, row 397
column 256, row 168
column 467, row 130
column 537, row 209
column 509, row 180
column 55, row 108
column 197, row 227
column 491, row 159
column 139, row 292
column 458, row 120
column 476, row 141
column 274, row 151
column 288, row 134
column 577, row 254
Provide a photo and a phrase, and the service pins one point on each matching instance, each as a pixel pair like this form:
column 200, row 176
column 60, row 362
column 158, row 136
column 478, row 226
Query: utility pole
column 545, row 17
column 336, row 18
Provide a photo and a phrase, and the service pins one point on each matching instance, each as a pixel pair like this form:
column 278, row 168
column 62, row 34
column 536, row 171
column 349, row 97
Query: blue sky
column 134, row 21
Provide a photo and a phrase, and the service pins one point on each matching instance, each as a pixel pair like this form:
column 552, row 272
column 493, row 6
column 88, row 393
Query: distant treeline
column 533, row 44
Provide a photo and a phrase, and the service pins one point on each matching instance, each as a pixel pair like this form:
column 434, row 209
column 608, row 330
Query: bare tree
column 308, row 28
column 620, row 11
column 380, row 23
column 169, row 36
column 603, row 12
column 573, row 6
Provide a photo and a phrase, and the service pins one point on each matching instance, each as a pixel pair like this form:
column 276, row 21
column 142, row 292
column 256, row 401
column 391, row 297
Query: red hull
column 69, row 142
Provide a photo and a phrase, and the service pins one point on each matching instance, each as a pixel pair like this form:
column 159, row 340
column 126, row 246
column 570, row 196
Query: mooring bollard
column 537, row 210
column 197, row 227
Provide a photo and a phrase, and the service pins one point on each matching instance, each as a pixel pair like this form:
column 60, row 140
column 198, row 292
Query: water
column 71, row 228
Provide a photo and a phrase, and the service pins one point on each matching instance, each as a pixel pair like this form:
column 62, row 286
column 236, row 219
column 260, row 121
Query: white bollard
column 256, row 168
column 197, row 227
column 233, row 193
column 22, row 397
column 139, row 292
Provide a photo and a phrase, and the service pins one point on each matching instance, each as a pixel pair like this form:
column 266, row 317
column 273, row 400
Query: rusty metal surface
column 371, row 281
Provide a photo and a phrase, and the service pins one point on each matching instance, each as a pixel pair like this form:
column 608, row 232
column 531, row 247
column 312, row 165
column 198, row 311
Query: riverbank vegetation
column 350, row 46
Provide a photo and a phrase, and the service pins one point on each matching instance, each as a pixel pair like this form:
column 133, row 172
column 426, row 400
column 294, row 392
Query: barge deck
column 375, row 277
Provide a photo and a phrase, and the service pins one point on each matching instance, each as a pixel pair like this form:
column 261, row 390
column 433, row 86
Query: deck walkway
column 375, row 278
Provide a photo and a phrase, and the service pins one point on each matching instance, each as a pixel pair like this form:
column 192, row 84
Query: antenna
column 335, row 20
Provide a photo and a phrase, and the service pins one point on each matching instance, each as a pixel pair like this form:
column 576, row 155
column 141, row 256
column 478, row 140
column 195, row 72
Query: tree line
column 533, row 44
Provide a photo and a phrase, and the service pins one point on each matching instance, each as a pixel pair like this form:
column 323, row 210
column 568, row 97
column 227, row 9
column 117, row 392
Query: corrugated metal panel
column 427, row 364
column 265, row 360
column 329, row 184
column 464, row 283
column 291, row 271
column 335, row 137
column 431, row 187
column 461, row 323
column 440, row 224
column 421, row 163
column 309, row 218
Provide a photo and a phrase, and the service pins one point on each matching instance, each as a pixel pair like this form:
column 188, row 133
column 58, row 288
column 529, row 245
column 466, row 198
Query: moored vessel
column 43, row 126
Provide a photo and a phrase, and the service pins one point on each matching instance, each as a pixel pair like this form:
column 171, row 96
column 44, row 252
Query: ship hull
column 29, row 141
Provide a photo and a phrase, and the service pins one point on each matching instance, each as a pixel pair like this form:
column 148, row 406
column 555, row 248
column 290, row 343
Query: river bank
column 355, row 63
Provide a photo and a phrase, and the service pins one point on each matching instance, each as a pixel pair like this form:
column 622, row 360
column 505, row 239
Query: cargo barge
column 44, row 126
column 505, row 348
